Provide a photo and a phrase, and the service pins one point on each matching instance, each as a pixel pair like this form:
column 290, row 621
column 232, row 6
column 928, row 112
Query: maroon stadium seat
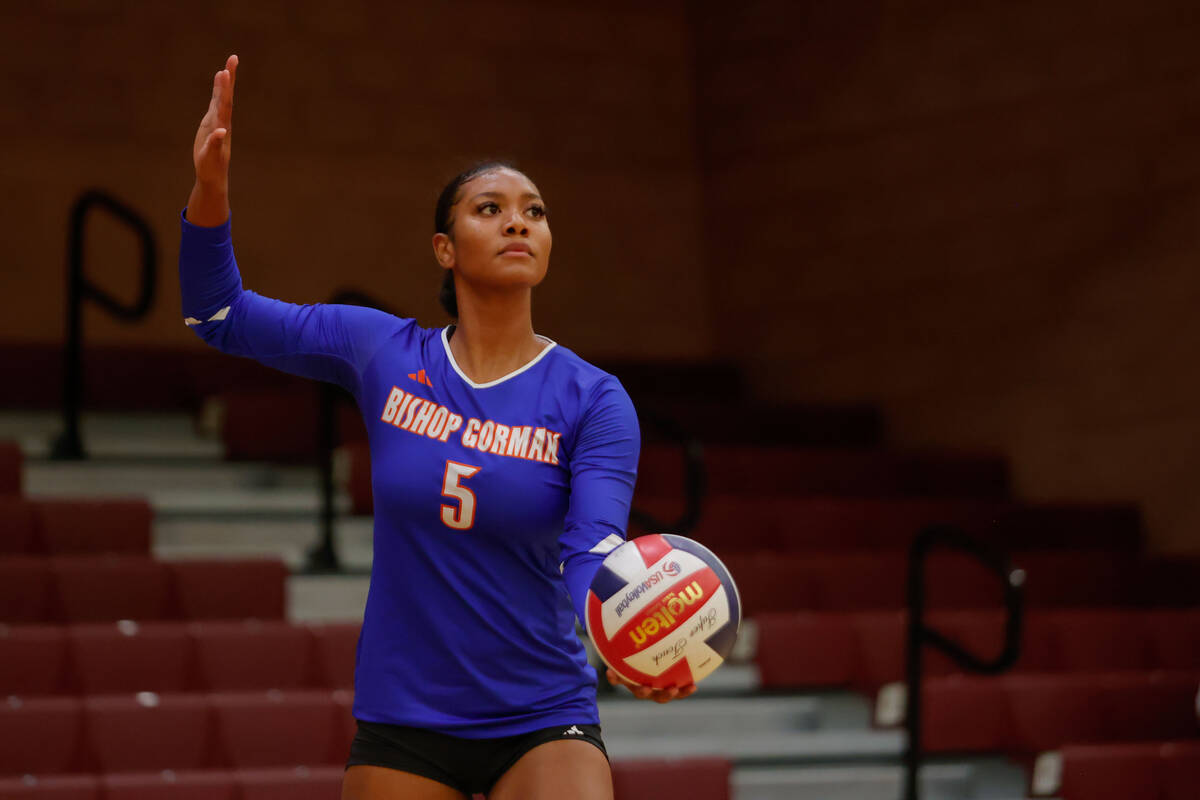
column 33, row 660
column 1180, row 770
column 769, row 583
column 693, row 778
column 1111, row 772
column 126, row 657
column 965, row 714
column 253, row 654
column 149, row 731
column 81, row 526
column 1174, row 638
column 291, row 783
column 17, row 527
column 10, row 467
column 806, row 649
column 230, row 589
column 40, row 735
column 1101, row 640
column 274, row 728
column 109, row 587
column 1051, row 710
column 171, row 785
column 50, row 787
column 1152, row 705
column 336, row 653
column 343, row 701
column 858, row 581
column 26, row 590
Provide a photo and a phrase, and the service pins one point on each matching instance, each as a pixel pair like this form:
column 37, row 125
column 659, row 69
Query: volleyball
column 663, row 611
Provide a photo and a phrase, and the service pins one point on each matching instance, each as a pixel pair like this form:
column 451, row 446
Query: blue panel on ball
column 607, row 583
column 722, row 641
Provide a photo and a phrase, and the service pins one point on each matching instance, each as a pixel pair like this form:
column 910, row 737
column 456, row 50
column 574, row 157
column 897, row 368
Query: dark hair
column 443, row 224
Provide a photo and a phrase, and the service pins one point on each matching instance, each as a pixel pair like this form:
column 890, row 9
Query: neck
column 494, row 336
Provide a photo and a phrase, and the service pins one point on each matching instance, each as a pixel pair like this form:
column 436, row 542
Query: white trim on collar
column 450, row 357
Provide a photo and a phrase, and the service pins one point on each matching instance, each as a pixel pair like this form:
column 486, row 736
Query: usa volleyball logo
column 663, row 611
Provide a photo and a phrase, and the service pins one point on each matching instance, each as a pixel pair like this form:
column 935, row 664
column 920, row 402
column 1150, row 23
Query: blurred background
column 925, row 262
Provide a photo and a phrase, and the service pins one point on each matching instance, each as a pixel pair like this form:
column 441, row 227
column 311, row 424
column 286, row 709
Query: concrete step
column 120, row 476
column 764, row 746
column 289, row 539
column 619, row 718
column 108, row 435
column 858, row 782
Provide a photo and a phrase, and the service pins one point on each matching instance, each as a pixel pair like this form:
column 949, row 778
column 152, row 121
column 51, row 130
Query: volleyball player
column 503, row 467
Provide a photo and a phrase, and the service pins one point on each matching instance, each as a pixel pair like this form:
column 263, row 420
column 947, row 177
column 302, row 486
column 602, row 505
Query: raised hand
column 209, row 202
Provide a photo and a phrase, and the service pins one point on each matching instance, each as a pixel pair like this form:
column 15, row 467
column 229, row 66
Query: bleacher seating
column 1029, row 714
column 111, row 587
column 866, row 650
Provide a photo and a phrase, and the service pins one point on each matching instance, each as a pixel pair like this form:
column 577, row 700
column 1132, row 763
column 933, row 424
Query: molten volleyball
column 663, row 611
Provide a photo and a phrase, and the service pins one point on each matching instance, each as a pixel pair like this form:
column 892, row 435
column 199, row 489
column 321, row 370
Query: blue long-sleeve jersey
column 494, row 502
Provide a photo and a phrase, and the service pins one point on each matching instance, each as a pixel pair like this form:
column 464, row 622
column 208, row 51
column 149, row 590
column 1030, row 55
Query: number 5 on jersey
column 462, row 517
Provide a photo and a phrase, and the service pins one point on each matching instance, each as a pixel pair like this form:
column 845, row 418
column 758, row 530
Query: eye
column 488, row 205
column 537, row 211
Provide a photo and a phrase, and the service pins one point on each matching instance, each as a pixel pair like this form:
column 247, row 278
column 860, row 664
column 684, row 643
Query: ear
column 443, row 250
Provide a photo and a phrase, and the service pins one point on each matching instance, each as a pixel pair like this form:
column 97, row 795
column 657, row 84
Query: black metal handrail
column 69, row 444
column 323, row 556
column 695, row 477
column 919, row 634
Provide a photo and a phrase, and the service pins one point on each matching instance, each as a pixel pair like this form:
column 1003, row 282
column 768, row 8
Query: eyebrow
column 498, row 194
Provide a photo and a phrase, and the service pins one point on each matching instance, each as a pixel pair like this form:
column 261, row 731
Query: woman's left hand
column 647, row 693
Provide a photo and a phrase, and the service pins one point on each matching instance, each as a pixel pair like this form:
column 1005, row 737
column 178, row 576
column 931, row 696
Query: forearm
column 208, row 204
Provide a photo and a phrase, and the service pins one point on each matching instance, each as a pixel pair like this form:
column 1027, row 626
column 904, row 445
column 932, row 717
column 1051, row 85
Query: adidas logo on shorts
column 573, row 731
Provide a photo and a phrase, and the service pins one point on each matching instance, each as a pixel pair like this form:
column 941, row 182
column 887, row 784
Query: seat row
column 867, row 650
column 154, row 731
column 127, row 656
column 1024, row 715
column 872, row 581
column 113, row 587
column 776, row 471
column 795, row 523
column 1150, row 771
column 645, row 779
column 74, row 526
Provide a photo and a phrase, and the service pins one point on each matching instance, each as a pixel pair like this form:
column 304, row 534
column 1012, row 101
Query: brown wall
column 981, row 216
column 348, row 119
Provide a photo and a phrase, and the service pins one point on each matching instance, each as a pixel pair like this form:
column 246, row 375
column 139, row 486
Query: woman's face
column 501, row 237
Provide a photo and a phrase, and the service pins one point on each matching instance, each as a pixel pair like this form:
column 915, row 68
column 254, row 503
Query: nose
column 516, row 223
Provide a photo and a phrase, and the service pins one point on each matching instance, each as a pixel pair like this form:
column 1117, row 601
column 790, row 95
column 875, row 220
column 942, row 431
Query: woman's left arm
column 603, row 470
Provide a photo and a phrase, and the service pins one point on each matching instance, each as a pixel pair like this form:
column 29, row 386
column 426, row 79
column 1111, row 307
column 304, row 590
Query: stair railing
column 323, row 555
column 69, row 444
column 695, row 477
column 919, row 634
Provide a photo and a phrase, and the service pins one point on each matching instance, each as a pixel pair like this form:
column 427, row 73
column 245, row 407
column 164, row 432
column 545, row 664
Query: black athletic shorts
column 468, row 765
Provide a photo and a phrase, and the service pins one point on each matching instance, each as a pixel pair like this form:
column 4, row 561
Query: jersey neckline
column 550, row 345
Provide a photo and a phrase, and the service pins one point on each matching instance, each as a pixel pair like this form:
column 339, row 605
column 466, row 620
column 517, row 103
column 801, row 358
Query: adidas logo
column 573, row 731
column 419, row 377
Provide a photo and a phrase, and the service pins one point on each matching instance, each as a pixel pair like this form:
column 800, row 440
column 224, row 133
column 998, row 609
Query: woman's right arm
column 326, row 342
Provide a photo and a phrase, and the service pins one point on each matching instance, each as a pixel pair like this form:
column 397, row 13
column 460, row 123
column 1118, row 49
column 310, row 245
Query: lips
column 518, row 248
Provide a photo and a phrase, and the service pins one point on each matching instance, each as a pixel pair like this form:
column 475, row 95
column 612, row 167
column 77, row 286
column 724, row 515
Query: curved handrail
column 323, row 556
column 945, row 536
column 695, row 476
column 69, row 444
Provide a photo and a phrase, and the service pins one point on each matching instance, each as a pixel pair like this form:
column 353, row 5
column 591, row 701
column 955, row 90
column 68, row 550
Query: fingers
column 648, row 693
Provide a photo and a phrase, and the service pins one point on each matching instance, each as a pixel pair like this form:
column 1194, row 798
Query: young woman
column 503, row 467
